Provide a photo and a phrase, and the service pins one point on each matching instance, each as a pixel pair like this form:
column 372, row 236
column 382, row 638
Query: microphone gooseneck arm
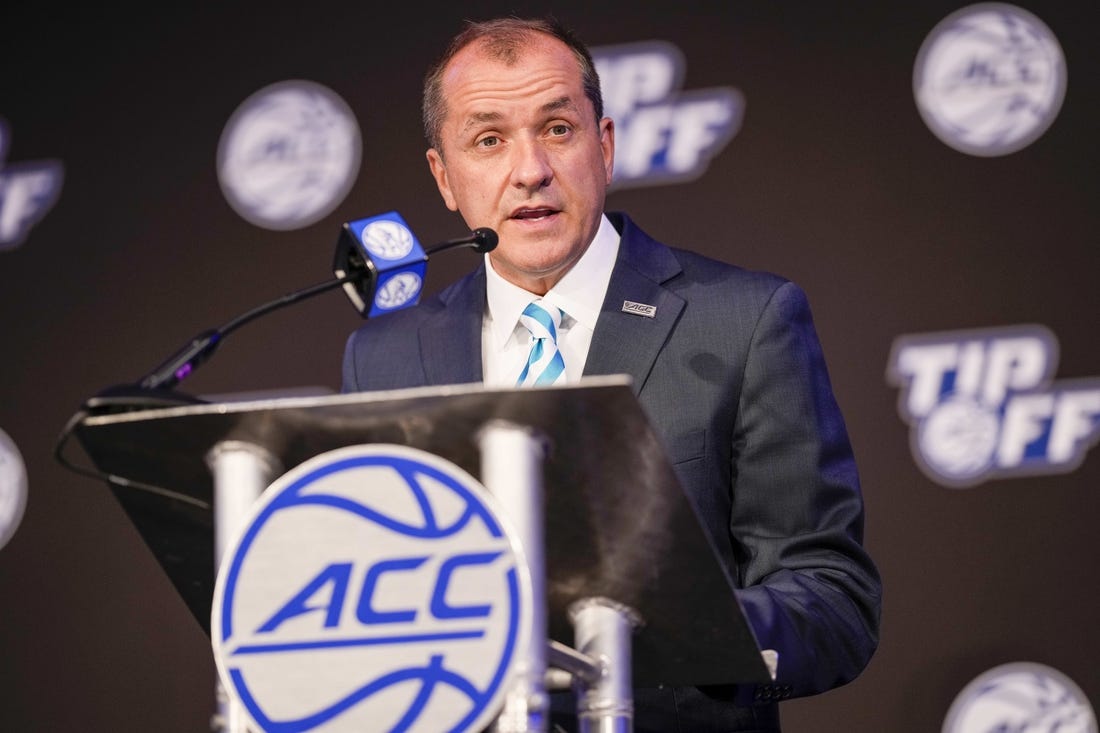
column 187, row 359
column 480, row 240
column 155, row 388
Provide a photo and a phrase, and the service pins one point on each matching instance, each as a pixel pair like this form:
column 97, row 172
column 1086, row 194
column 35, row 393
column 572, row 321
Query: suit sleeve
column 808, row 588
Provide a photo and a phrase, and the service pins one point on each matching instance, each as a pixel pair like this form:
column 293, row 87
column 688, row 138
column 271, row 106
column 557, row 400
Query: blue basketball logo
column 388, row 239
column 375, row 588
column 398, row 290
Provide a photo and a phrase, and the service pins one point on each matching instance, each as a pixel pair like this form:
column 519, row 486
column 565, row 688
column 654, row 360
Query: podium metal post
column 511, row 468
column 241, row 471
column 603, row 630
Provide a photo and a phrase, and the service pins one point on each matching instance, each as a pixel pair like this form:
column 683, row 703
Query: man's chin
column 533, row 274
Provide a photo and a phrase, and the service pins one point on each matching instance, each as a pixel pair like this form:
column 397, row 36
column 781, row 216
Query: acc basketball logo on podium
column 375, row 588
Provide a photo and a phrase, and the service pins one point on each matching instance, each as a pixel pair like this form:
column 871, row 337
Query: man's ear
column 439, row 172
column 607, row 144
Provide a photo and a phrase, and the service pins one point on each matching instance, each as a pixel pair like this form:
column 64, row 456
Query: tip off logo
column 289, row 155
column 1021, row 697
column 981, row 404
column 375, row 588
column 989, row 79
column 662, row 135
column 27, row 192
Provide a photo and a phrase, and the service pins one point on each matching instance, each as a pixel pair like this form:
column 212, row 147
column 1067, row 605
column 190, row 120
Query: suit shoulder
column 701, row 271
column 680, row 268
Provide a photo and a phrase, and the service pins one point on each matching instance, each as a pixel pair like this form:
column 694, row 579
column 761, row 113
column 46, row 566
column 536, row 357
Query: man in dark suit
column 725, row 362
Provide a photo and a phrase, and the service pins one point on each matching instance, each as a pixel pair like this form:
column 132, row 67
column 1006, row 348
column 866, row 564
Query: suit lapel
column 450, row 338
column 627, row 343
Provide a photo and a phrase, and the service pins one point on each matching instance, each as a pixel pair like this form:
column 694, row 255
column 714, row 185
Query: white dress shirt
column 505, row 342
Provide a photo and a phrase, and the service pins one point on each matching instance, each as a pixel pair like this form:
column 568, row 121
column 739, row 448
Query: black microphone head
column 485, row 240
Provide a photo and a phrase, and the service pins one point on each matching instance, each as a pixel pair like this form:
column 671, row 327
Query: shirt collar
column 580, row 292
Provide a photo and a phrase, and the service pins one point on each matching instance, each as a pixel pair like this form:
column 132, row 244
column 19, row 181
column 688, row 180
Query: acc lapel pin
column 639, row 309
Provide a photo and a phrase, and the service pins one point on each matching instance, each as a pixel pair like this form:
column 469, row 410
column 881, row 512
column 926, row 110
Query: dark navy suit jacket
column 731, row 374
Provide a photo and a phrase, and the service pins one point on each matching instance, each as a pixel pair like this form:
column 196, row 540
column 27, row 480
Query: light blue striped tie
column 544, row 364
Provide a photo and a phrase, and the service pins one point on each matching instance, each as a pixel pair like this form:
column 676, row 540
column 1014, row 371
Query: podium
column 617, row 524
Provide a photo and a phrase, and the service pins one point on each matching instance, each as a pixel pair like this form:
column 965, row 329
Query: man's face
column 522, row 153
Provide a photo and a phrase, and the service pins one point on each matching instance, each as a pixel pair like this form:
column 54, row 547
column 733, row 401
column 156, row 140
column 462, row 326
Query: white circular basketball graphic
column 375, row 588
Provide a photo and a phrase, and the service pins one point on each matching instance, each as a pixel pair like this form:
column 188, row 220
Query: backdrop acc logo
column 13, row 488
column 27, row 192
column 662, row 135
column 1021, row 696
column 289, row 155
column 989, row 79
column 981, row 404
column 375, row 588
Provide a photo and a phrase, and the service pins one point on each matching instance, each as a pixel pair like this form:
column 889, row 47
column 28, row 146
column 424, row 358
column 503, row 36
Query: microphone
column 390, row 261
column 377, row 251
column 380, row 265
column 481, row 240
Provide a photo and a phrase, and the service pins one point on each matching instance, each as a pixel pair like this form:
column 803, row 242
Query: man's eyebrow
column 559, row 104
column 478, row 118
column 482, row 117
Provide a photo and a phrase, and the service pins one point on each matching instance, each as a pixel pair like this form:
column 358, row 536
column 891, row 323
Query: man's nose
column 531, row 167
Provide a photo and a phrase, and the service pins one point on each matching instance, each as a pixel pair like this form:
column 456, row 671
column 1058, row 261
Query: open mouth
column 533, row 214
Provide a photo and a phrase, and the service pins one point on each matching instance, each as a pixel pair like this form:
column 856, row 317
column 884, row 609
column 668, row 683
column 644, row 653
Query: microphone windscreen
column 485, row 240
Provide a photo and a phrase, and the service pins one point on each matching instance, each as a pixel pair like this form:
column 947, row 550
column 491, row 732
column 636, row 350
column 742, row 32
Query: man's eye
column 488, row 142
column 559, row 130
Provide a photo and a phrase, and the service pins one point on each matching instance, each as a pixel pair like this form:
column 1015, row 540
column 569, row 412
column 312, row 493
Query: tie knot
column 542, row 320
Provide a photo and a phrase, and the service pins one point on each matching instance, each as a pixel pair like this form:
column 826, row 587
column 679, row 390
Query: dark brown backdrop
column 833, row 181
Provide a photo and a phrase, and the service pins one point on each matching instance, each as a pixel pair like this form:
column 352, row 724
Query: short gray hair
column 503, row 39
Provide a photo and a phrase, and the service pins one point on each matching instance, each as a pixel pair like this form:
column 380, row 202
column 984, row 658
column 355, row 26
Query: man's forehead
column 481, row 86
